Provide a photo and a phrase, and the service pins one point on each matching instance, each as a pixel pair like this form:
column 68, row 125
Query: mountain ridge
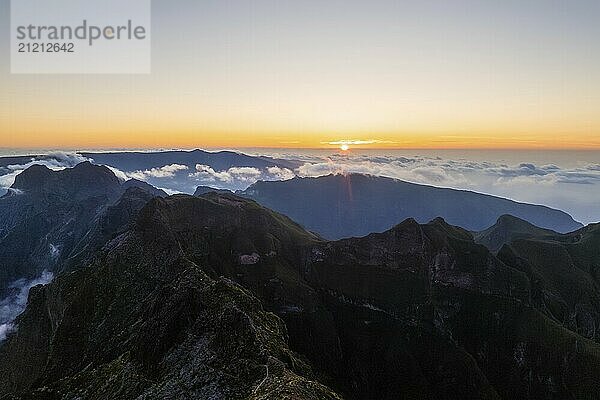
column 415, row 310
column 565, row 273
column 509, row 228
column 49, row 214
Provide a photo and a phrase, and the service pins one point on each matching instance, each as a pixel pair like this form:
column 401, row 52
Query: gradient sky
column 276, row 73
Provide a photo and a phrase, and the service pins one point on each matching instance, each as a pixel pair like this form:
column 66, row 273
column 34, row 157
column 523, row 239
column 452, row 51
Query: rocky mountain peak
column 81, row 179
column 32, row 177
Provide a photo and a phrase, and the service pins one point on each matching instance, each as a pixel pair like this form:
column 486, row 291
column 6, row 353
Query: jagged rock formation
column 144, row 321
column 564, row 271
column 48, row 216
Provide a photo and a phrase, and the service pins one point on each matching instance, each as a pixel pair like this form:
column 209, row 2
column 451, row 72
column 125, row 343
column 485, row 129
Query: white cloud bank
column 167, row 171
column 16, row 301
column 238, row 177
column 438, row 171
column 574, row 188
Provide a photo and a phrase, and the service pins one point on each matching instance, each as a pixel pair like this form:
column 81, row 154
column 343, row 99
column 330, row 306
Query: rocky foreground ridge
column 217, row 297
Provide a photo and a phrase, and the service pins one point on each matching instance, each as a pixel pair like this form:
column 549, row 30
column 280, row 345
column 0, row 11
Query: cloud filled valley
column 14, row 303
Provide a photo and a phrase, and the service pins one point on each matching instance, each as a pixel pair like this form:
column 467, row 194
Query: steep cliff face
column 435, row 281
column 46, row 214
column 417, row 312
column 368, row 312
column 144, row 321
column 47, row 218
column 565, row 272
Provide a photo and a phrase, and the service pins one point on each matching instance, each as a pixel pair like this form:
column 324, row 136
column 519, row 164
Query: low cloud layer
column 177, row 178
column 16, row 301
column 438, row 171
column 236, row 178
column 167, row 171
column 573, row 187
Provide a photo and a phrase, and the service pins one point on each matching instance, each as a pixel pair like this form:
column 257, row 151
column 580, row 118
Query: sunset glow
column 288, row 78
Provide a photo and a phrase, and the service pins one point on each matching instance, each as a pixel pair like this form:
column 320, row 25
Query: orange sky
column 465, row 74
column 151, row 139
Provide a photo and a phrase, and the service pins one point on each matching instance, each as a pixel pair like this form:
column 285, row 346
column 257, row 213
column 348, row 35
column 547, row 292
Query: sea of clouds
column 574, row 188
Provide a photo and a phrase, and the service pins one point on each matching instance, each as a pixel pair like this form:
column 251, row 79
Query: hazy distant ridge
column 338, row 206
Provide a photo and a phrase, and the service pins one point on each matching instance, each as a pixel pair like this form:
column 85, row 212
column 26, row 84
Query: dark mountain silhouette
column 200, row 190
column 50, row 216
column 220, row 160
column 508, row 229
column 144, row 186
column 14, row 160
column 419, row 311
column 146, row 318
column 338, row 206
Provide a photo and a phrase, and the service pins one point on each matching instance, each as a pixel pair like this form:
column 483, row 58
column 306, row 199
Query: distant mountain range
column 219, row 160
column 172, row 170
column 335, row 206
column 133, row 161
column 182, row 180
column 339, row 206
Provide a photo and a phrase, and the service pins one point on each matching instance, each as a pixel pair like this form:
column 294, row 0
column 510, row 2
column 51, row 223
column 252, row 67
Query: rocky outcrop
column 508, row 229
column 145, row 322
column 564, row 271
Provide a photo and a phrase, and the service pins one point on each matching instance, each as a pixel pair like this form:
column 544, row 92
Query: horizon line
column 245, row 147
